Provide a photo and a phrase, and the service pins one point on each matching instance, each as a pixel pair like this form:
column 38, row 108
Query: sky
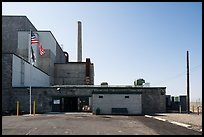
column 127, row 40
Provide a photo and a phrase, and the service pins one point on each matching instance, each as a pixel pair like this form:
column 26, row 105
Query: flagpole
column 30, row 67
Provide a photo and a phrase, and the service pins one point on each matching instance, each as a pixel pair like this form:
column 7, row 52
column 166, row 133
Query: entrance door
column 70, row 104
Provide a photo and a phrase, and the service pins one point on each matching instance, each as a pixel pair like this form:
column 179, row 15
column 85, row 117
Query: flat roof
column 97, row 86
column 103, row 86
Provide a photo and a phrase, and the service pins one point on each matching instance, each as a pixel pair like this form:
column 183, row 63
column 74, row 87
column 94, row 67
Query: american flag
column 42, row 50
column 34, row 38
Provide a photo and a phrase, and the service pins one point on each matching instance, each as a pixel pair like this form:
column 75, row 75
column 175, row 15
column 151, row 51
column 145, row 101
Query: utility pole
column 188, row 96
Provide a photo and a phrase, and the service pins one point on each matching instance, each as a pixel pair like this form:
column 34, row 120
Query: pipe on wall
column 66, row 55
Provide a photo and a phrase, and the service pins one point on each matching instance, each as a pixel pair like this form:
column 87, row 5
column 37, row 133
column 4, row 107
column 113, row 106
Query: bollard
column 193, row 108
column 34, row 107
column 17, row 109
column 198, row 110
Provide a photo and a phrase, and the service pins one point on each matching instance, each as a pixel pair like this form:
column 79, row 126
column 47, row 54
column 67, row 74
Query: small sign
column 56, row 101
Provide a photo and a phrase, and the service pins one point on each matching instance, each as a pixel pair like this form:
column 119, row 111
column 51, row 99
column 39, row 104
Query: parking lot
column 89, row 124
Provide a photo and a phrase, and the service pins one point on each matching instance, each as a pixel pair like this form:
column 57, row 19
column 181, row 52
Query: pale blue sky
column 127, row 40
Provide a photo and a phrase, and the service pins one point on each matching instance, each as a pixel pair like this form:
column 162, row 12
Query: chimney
column 88, row 72
column 79, row 46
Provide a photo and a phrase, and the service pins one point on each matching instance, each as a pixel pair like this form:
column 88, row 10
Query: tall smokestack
column 79, row 50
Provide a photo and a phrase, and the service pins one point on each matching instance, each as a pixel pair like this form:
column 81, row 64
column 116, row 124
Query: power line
column 193, row 69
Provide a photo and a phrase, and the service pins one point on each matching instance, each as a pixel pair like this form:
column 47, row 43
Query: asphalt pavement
column 89, row 124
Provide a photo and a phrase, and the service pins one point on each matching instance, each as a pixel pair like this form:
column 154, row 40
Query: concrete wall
column 43, row 97
column 53, row 52
column 48, row 42
column 46, row 63
column 60, row 56
column 10, row 27
column 72, row 73
column 151, row 98
column 23, row 44
column 40, row 95
column 21, row 74
column 7, row 70
column 6, row 80
column 109, row 101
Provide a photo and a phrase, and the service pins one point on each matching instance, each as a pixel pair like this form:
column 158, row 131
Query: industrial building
column 59, row 85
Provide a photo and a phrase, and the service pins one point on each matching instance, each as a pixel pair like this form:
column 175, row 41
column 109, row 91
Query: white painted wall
column 109, row 101
column 39, row 78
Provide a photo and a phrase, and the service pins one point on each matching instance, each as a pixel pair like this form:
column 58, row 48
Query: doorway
column 69, row 104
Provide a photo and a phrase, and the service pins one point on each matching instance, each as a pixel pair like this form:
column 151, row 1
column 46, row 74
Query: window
column 100, row 97
column 126, row 96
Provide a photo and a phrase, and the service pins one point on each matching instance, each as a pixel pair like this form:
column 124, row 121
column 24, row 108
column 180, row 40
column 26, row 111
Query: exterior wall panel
column 6, row 81
column 38, row 77
column 153, row 100
column 135, row 103
column 109, row 101
column 10, row 27
column 72, row 74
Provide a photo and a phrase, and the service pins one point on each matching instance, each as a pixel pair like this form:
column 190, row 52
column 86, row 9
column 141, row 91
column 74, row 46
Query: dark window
column 100, row 97
column 126, row 96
